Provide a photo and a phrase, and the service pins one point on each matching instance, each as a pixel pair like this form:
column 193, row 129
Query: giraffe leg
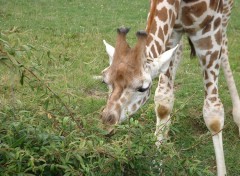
column 226, row 66
column 231, row 84
column 164, row 97
column 208, row 47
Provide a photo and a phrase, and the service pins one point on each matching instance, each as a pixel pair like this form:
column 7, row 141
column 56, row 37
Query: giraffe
column 158, row 52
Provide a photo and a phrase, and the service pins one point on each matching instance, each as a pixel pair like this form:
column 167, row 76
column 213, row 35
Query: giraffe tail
column 193, row 51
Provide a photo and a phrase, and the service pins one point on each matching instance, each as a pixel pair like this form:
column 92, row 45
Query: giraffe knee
column 162, row 111
column 215, row 125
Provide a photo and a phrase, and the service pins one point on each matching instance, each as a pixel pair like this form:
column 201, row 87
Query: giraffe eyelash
column 141, row 89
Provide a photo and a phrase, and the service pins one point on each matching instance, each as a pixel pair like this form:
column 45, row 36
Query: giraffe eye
column 141, row 89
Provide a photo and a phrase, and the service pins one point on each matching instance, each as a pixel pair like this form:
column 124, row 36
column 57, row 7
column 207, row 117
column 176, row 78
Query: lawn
column 50, row 104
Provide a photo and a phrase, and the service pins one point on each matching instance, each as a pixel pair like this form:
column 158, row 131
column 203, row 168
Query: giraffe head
column 129, row 76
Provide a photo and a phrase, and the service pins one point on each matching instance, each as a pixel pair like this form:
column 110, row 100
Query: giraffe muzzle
column 109, row 118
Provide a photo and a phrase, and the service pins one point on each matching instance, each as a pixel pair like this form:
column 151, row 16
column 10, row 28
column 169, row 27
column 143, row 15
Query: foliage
column 50, row 105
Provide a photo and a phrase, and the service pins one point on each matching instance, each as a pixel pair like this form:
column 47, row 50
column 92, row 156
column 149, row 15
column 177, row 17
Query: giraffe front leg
column 230, row 82
column 164, row 97
column 164, row 100
column 213, row 111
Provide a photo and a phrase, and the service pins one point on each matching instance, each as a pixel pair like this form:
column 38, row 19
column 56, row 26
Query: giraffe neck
column 161, row 19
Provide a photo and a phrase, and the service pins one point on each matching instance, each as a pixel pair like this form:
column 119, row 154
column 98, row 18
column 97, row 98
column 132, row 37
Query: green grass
column 61, row 42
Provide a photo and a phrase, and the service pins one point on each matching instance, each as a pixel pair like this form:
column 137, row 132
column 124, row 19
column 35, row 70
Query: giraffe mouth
column 109, row 121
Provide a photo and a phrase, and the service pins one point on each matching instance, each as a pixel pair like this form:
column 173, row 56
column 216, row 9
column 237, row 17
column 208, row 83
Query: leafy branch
column 8, row 53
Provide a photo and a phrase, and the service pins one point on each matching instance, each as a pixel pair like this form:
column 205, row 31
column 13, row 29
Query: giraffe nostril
column 111, row 119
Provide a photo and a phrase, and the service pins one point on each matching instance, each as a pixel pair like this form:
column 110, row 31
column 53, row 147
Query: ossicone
column 123, row 30
column 121, row 43
column 141, row 33
column 142, row 40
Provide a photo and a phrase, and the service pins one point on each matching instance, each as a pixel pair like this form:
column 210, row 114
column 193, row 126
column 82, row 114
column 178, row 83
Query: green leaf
column 18, row 142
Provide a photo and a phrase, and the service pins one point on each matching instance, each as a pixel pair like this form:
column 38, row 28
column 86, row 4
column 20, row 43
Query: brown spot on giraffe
column 160, row 34
column 162, row 14
column 177, row 5
column 214, row 75
column 190, row 12
column 220, row 6
column 214, row 91
column 118, row 107
column 198, row 9
column 218, row 37
column 214, row 57
column 215, row 125
column 223, row 50
column 206, row 75
column 162, row 111
column 149, row 39
column 217, row 23
column 144, row 99
column 217, row 105
column 154, row 27
column 205, row 43
column 170, row 14
column 123, row 100
column 187, row 19
column 168, row 73
column 212, row 99
column 169, row 86
column 177, row 26
column 207, row 28
column 153, row 51
column 139, row 102
column 206, row 21
column 190, row 31
column 209, row 84
column 159, row 48
column 172, row 18
column 165, row 29
column 134, row 107
column 213, row 4
column 161, row 80
column 203, row 59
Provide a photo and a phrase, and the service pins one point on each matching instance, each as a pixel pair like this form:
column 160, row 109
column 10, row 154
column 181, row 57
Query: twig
column 203, row 140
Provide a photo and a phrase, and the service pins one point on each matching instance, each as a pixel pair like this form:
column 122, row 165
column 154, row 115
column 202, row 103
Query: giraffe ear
column 165, row 58
column 110, row 51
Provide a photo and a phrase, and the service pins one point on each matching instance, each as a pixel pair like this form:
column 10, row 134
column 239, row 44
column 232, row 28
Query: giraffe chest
column 196, row 15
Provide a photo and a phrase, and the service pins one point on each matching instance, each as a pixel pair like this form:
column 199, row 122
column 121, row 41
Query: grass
column 61, row 42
